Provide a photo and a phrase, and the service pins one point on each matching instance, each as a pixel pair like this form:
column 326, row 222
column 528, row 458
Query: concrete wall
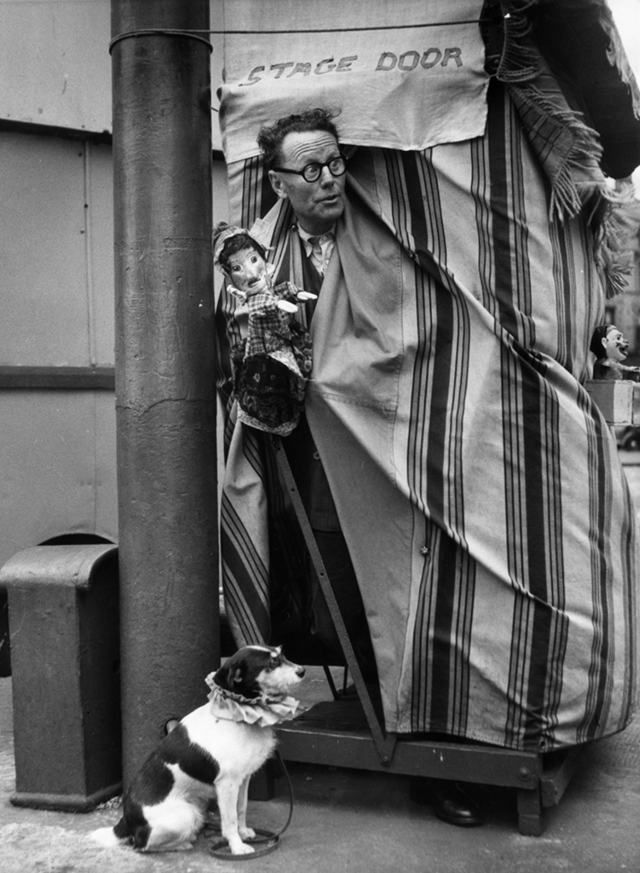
column 57, row 446
column 55, row 67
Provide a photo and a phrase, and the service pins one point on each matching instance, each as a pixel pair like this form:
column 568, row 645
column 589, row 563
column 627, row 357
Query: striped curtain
column 479, row 489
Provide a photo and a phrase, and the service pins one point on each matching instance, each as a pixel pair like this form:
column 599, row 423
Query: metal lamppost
column 165, row 393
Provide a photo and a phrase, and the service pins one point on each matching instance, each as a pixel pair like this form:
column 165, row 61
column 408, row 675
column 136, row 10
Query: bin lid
column 71, row 565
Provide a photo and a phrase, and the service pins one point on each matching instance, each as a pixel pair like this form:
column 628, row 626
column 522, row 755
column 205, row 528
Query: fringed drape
column 478, row 487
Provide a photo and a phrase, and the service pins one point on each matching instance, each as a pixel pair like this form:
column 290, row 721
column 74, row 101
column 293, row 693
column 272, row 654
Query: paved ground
column 347, row 820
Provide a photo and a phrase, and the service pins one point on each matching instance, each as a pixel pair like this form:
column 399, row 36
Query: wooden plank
column 331, row 734
column 530, row 821
column 559, row 768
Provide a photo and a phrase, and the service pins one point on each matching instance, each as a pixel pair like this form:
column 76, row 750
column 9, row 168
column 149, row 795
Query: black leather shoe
column 453, row 805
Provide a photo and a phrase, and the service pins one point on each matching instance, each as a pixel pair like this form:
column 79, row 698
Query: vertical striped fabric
column 480, row 492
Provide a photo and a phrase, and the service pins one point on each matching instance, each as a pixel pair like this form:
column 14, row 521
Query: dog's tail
column 108, row 838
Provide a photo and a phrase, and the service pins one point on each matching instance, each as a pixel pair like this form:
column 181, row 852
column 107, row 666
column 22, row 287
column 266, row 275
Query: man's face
column 319, row 204
column 247, row 271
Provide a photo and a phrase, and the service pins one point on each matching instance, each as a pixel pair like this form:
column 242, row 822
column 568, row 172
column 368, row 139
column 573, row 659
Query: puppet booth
column 477, row 484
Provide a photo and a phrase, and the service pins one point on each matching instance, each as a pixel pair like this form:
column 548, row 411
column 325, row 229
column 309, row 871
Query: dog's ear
column 228, row 677
column 235, row 676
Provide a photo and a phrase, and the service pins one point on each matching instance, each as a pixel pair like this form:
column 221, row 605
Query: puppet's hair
column 227, row 240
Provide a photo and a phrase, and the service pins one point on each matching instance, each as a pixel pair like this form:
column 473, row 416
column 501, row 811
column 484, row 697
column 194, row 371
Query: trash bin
column 64, row 631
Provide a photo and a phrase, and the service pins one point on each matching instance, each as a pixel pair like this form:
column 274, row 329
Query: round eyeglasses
column 312, row 172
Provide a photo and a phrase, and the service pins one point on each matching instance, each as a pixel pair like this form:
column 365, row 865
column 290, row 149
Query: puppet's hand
column 306, row 295
column 241, row 295
column 286, row 306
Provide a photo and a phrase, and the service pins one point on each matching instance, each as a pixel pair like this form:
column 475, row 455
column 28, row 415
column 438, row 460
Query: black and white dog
column 212, row 752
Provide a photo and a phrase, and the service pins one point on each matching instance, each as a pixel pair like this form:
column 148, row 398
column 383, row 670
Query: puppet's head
column 241, row 258
column 608, row 342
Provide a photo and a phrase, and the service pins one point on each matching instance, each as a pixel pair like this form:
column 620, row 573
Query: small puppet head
column 241, row 258
column 608, row 342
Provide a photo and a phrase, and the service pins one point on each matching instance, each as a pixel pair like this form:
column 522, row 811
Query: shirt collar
column 305, row 237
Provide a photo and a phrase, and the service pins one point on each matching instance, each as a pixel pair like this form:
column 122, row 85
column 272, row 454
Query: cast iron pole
column 165, row 395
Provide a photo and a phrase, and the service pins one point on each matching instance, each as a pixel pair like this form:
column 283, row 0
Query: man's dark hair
column 271, row 137
column 235, row 244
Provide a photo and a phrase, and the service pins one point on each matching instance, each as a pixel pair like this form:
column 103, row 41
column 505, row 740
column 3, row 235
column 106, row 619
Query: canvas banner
column 403, row 76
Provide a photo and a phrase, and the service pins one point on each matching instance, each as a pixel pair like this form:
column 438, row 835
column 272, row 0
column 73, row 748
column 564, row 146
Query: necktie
column 317, row 258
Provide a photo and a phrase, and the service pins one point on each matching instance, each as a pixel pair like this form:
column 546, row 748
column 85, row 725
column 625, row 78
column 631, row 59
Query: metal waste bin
column 64, row 631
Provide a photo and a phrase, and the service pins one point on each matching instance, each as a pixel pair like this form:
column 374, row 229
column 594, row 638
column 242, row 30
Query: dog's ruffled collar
column 260, row 711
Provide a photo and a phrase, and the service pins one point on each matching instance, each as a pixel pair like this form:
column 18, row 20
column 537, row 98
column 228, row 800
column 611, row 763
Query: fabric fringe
column 566, row 146
column 568, row 149
column 615, row 238
column 518, row 61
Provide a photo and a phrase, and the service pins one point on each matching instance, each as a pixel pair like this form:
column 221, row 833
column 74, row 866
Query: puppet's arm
column 289, row 291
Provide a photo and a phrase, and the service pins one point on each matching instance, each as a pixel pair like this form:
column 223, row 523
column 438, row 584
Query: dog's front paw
column 247, row 833
column 240, row 848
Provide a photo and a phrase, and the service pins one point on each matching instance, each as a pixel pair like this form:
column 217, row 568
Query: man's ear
column 277, row 185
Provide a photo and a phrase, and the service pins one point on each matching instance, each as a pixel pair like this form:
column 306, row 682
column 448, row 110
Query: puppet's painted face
column 616, row 347
column 248, row 271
